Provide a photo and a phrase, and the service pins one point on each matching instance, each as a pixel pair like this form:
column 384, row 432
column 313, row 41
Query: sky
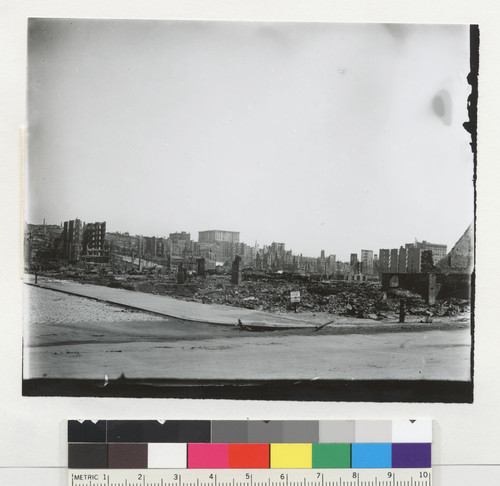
column 335, row 137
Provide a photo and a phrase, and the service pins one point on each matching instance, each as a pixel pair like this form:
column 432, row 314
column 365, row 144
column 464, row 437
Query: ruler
column 250, row 477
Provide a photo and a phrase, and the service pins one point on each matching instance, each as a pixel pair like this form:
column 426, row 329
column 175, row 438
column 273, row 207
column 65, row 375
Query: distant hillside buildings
column 75, row 241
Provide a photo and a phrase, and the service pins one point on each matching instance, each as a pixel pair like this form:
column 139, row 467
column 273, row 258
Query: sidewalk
column 170, row 307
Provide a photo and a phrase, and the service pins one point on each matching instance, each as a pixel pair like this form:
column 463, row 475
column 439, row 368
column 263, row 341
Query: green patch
column 331, row 455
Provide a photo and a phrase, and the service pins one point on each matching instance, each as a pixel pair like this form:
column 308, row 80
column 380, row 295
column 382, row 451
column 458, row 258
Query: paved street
column 168, row 306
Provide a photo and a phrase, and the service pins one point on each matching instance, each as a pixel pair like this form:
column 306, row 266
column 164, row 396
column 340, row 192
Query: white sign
column 295, row 296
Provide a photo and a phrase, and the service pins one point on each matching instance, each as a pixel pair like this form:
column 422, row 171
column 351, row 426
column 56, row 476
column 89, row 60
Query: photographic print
column 251, row 210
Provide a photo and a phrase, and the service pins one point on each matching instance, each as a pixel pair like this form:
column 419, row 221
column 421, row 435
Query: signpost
column 295, row 298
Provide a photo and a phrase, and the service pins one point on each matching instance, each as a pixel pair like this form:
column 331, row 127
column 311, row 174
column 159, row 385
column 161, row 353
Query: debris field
column 270, row 292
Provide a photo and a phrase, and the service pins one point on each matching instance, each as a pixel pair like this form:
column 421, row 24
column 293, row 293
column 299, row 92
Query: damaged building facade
column 42, row 242
column 431, row 286
column 71, row 241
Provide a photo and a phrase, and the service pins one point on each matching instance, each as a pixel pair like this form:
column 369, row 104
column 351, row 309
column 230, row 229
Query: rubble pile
column 267, row 292
column 452, row 307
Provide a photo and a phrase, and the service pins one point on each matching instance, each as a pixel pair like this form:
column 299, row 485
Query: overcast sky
column 323, row 136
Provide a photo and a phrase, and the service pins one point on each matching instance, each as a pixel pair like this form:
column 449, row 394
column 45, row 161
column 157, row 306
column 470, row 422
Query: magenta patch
column 206, row 456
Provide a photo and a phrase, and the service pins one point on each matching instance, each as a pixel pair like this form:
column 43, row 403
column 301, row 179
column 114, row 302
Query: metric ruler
column 251, row 477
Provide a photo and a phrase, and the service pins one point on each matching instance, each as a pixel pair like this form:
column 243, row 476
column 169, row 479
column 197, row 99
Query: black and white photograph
column 250, row 210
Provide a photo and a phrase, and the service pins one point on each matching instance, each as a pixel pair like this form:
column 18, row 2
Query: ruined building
column 72, row 239
column 180, row 244
column 460, row 259
column 367, row 262
column 438, row 250
column 219, row 245
column 94, row 245
column 42, row 241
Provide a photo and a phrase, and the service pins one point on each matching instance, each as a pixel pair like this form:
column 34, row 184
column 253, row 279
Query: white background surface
column 32, row 430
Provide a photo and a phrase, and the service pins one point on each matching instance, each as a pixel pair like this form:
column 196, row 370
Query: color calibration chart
column 249, row 453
